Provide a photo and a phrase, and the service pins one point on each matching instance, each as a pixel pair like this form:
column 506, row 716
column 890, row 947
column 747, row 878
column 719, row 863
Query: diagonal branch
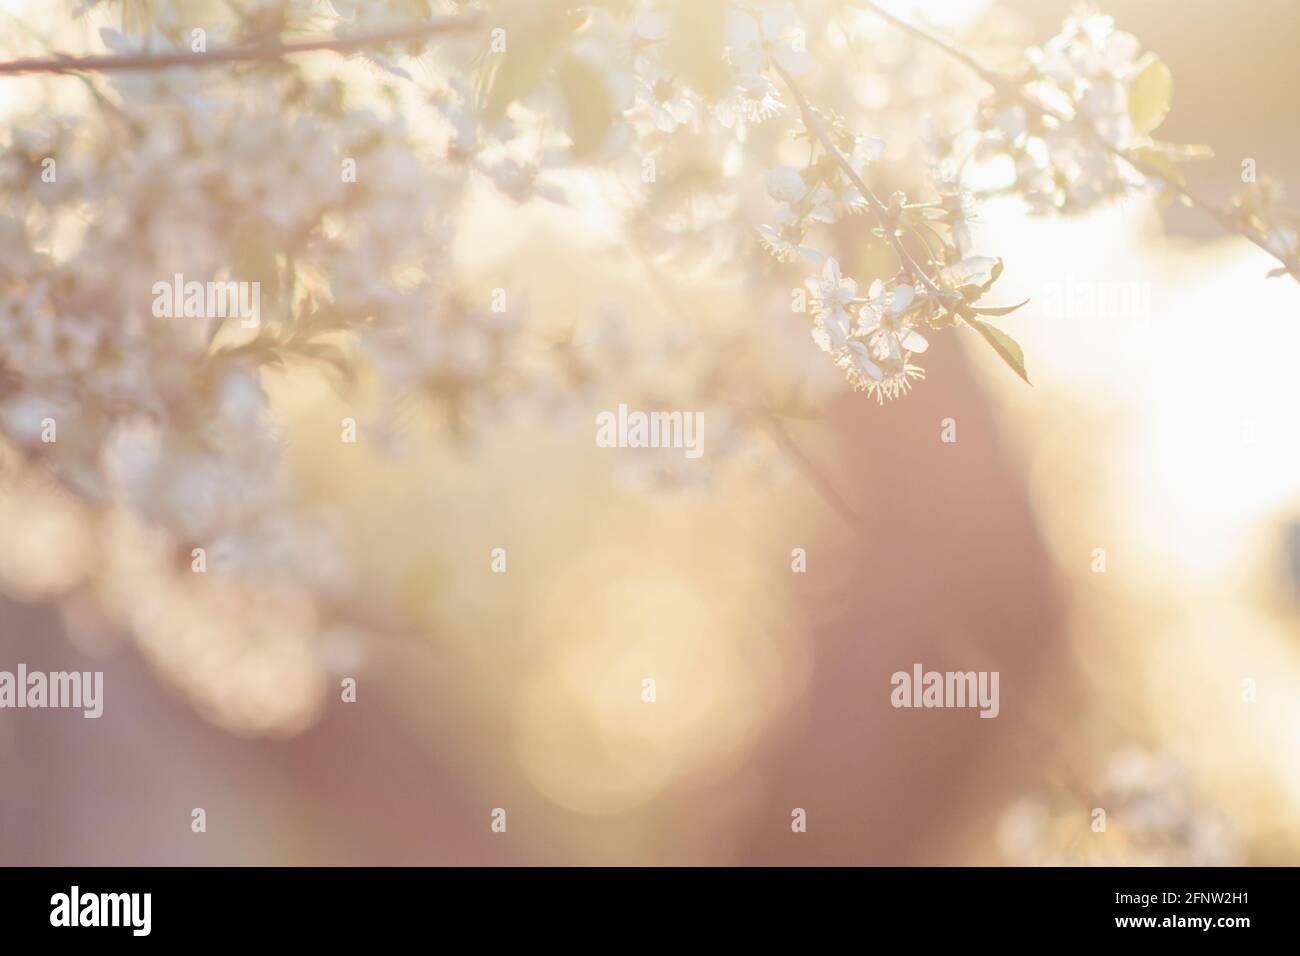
column 762, row 416
column 254, row 52
column 1006, row 85
column 878, row 209
column 812, row 473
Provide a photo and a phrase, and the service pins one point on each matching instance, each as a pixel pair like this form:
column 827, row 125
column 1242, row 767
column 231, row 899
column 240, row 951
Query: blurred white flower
column 755, row 39
column 754, row 100
column 784, row 238
column 785, row 185
column 668, row 102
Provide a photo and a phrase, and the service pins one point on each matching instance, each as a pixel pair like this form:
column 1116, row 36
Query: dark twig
column 253, row 52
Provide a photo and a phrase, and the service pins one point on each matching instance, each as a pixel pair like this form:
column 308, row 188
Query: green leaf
column 695, row 45
column 1182, row 152
column 1000, row 309
column 255, row 258
column 1163, row 158
column 994, row 274
column 1150, row 94
column 507, row 77
column 1161, row 163
column 586, row 96
column 539, row 29
column 1007, row 348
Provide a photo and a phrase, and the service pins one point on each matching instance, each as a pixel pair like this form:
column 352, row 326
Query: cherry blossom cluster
column 1070, row 109
column 739, row 144
column 1147, row 804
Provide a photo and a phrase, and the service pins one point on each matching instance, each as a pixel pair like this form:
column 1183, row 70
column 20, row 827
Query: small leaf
column 1150, row 94
column 115, row 41
column 586, row 96
column 1000, row 310
column 255, row 258
column 1182, row 152
column 384, row 63
column 695, row 45
column 1163, row 158
column 994, row 274
column 1006, row 347
column 512, row 76
column 1161, row 163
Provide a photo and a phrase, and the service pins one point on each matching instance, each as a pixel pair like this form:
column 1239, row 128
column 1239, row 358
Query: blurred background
column 1161, row 429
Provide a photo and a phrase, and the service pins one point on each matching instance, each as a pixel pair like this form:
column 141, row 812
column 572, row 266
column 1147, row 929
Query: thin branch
column 820, row 483
column 784, row 441
column 114, row 63
column 989, row 76
column 878, row 209
column 1004, row 84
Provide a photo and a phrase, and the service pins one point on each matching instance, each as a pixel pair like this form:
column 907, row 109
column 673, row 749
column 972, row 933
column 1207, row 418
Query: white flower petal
column 823, row 339
column 862, row 360
column 784, row 184
column 742, row 30
column 913, row 341
column 814, row 256
column 903, row 296
column 776, row 22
